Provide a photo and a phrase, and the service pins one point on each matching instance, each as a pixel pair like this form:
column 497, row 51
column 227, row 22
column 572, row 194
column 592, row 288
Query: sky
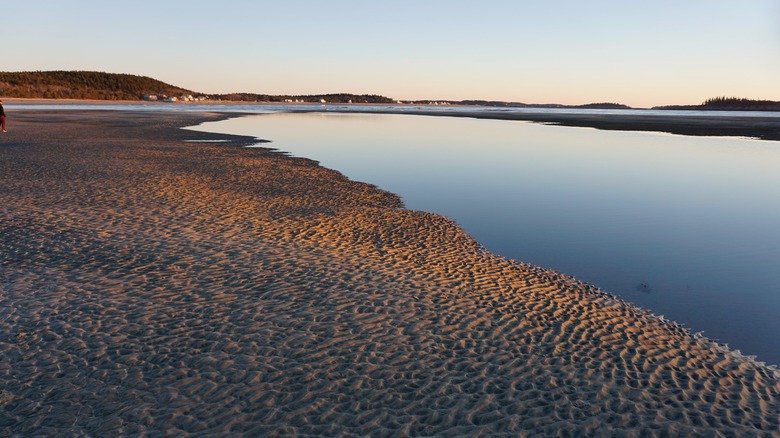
column 640, row 53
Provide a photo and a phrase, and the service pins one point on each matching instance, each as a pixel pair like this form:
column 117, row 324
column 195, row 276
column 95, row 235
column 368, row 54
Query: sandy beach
column 154, row 284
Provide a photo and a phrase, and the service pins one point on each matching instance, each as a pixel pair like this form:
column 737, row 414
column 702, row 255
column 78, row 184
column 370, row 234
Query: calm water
column 685, row 226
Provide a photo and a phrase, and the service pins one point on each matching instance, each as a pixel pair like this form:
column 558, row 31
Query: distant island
column 117, row 86
column 498, row 103
column 727, row 104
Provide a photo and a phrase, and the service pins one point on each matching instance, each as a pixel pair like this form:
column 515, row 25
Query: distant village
column 164, row 98
column 191, row 98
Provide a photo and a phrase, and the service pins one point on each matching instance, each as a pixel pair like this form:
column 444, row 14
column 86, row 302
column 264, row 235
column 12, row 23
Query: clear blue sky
column 555, row 51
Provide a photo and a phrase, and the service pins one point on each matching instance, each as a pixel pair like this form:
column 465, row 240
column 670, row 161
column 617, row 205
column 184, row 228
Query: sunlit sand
column 152, row 284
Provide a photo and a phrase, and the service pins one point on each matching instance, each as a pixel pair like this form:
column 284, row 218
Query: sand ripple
column 153, row 286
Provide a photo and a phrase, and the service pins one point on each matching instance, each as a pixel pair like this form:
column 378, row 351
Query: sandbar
column 153, row 284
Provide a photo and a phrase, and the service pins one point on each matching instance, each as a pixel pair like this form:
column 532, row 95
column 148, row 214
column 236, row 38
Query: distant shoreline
column 717, row 125
column 122, row 87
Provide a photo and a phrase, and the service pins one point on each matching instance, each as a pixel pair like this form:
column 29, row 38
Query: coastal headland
column 161, row 281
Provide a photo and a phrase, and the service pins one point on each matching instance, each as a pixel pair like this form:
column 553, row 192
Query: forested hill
column 728, row 104
column 115, row 86
column 83, row 85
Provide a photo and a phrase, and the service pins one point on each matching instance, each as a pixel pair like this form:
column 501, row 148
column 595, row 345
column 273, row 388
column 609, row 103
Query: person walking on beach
column 2, row 116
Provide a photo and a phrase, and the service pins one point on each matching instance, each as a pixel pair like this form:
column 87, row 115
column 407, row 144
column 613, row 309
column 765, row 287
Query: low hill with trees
column 83, row 85
column 603, row 105
column 117, row 86
column 728, row 104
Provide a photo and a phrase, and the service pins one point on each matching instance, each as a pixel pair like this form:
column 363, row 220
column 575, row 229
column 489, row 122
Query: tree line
column 735, row 103
column 310, row 98
column 117, row 86
column 728, row 104
column 83, row 85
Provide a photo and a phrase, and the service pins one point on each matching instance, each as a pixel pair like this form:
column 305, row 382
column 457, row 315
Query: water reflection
column 685, row 226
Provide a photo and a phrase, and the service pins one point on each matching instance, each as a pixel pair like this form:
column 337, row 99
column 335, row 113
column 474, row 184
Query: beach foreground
column 152, row 285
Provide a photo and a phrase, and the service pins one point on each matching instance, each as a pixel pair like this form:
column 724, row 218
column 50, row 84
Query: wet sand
column 150, row 285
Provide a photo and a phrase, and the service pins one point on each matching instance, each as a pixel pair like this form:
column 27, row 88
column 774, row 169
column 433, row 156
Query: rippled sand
column 151, row 285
